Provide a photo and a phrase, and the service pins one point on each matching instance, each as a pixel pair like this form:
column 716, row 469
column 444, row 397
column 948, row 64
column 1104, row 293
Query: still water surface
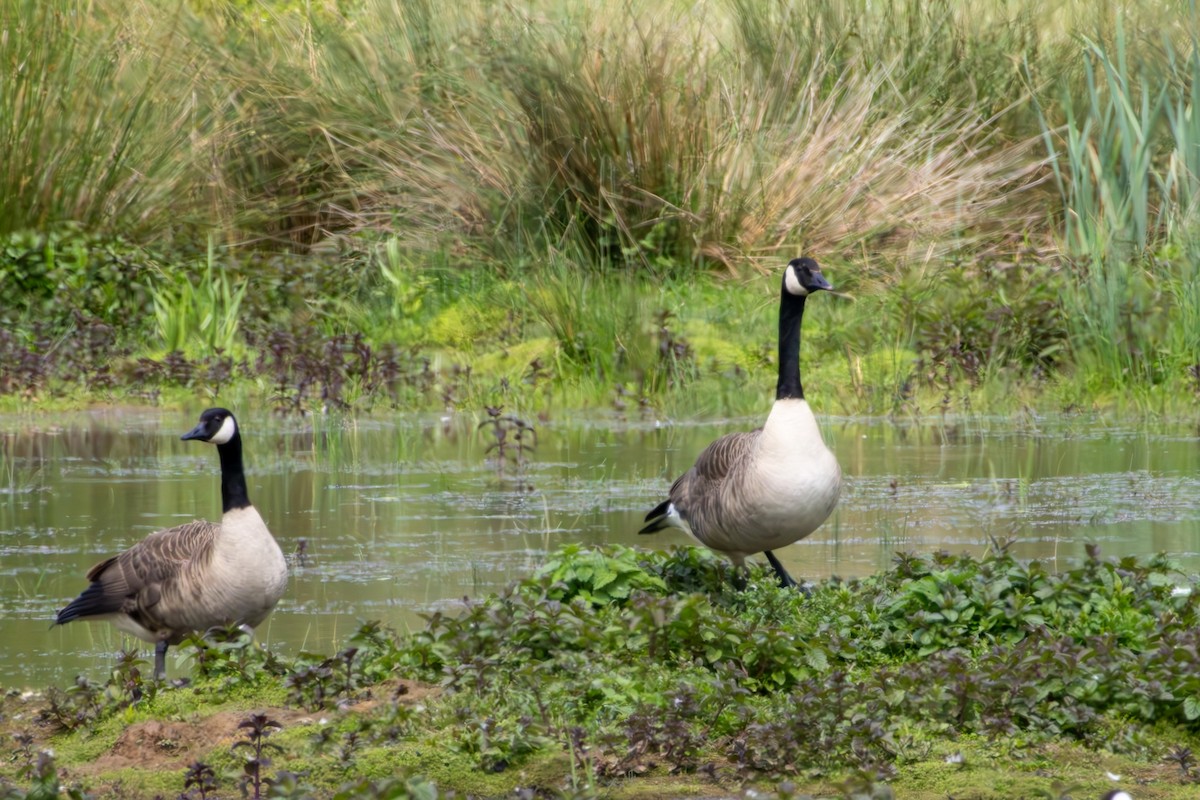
column 403, row 514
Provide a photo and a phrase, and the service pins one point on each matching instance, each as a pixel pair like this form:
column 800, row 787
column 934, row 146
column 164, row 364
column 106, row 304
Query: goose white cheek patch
column 228, row 429
column 793, row 283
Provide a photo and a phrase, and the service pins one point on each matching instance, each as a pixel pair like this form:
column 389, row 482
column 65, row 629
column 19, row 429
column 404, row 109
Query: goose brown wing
column 693, row 496
column 713, row 465
column 134, row 580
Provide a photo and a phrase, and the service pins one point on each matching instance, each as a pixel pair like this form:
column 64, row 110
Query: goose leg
column 785, row 580
column 160, row 660
column 739, row 577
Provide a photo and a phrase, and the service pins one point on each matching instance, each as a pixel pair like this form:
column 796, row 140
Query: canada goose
column 757, row 491
column 195, row 576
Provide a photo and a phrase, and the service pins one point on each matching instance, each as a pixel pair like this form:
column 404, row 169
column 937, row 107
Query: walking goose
column 757, row 491
column 195, row 576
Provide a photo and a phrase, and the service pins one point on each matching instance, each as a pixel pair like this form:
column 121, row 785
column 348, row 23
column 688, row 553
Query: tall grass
column 653, row 135
column 602, row 325
column 91, row 132
column 631, row 134
column 1180, row 349
column 667, row 146
column 1125, row 164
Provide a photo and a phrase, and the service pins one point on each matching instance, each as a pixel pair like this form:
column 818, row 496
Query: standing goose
column 757, row 491
column 195, row 576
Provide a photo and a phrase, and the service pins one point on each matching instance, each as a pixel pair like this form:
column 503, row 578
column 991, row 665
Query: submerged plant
column 514, row 440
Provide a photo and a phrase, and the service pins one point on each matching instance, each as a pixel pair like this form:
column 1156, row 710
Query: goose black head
column 803, row 277
column 217, row 426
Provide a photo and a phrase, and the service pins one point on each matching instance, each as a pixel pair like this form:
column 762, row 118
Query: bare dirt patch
column 172, row 745
column 176, row 744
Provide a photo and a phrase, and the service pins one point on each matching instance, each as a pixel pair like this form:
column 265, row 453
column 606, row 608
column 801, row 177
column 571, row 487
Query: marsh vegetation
column 524, row 210
column 622, row 673
column 365, row 203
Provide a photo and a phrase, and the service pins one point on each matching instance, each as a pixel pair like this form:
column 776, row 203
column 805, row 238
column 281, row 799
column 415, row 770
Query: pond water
column 389, row 517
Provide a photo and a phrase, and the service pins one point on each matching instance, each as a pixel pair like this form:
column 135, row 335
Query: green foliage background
column 515, row 190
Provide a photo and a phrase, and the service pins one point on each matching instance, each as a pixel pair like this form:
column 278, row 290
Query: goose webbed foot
column 786, row 580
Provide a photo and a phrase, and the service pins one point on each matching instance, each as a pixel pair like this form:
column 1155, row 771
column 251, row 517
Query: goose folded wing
column 136, row 579
column 160, row 562
column 716, row 463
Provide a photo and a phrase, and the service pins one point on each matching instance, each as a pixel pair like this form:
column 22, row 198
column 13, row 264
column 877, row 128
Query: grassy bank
column 989, row 337
column 621, row 674
column 367, row 203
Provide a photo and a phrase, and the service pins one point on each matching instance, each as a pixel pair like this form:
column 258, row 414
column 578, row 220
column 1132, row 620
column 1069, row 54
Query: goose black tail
column 657, row 518
column 92, row 602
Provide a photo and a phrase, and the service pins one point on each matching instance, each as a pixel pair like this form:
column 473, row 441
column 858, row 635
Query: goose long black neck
column 791, row 310
column 233, row 476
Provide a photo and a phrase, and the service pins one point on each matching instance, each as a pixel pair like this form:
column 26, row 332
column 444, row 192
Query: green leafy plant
column 230, row 656
column 398, row 788
column 49, row 276
column 76, row 707
column 852, row 683
column 44, row 782
column 596, row 576
column 405, row 286
column 496, row 743
column 200, row 318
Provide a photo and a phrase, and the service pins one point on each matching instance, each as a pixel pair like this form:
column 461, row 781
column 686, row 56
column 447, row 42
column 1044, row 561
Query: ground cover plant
column 622, row 673
column 344, row 204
